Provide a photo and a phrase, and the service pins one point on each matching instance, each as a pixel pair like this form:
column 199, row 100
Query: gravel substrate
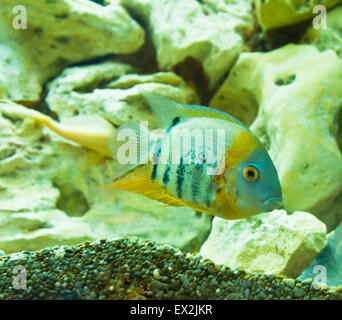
column 134, row 269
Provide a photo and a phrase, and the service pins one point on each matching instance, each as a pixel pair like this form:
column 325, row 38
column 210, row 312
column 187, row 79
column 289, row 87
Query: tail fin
column 92, row 132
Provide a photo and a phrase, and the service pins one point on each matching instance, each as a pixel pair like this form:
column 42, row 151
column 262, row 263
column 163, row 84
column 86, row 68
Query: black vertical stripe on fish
column 194, row 178
column 197, row 176
column 180, row 177
column 166, row 177
column 194, row 192
column 154, row 172
column 156, row 160
column 200, row 166
column 158, row 148
column 173, row 123
column 208, row 196
column 208, row 201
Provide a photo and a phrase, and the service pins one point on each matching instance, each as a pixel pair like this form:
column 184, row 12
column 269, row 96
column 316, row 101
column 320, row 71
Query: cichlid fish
column 241, row 182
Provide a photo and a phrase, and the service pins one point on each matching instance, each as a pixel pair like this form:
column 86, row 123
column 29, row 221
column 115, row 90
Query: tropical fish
column 241, row 182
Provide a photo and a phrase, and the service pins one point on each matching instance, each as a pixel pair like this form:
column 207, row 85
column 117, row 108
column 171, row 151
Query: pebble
column 298, row 292
column 126, row 269
column 45, row 251
column 262, row 295
column 156, row 273
column 247, row 293
column 307, row 281
column 248, row 283
column 289, row 282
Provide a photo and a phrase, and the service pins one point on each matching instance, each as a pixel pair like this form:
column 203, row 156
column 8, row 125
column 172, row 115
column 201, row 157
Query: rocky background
column 262, row 61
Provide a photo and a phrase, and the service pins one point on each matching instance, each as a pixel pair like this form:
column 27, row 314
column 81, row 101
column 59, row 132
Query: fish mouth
column 272, row 203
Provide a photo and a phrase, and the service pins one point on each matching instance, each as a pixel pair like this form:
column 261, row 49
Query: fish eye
column 250, row 173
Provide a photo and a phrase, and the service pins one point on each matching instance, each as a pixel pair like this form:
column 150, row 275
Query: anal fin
column 139, row 180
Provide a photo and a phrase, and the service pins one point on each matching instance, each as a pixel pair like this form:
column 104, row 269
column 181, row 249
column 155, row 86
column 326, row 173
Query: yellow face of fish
column 251, row 183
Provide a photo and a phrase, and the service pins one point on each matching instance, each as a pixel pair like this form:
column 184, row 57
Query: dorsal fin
column 167, row 110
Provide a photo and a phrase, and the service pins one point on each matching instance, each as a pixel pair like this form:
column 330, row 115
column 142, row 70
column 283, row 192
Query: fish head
column 257, row 184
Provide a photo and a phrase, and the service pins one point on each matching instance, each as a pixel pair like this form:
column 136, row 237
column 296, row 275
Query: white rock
column 268, row 243
column 295, row 93
column 210, row 32
column 280, row 13
column 326, row 269
column 59, row 33
column 37, row 230
column 119, row 100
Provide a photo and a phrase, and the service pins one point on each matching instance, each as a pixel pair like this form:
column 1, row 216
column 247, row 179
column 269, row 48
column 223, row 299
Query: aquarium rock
column 58, row 33
column 191, row 33
column 296, row 103
column 280, row 13
column 327, row 267
column 126, row 269
column 52, row 193
column 329, row 37
column 267, row 243
column 112, row 90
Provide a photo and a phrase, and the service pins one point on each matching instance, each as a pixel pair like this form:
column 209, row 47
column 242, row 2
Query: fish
column 239, row 181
